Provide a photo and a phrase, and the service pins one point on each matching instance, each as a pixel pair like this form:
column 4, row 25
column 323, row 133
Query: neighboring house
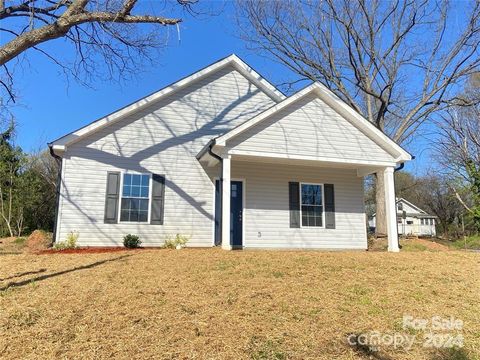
column 223, row 157
column 412, row 220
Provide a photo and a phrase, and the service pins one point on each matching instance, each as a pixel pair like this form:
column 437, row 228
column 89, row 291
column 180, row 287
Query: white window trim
column 121, row 196
column 323, row 206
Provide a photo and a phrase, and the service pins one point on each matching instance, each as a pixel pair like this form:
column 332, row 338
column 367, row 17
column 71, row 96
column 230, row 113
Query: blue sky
column 50, row 106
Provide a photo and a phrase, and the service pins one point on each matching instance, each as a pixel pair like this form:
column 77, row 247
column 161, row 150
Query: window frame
column 123, row 173
column 323, row 205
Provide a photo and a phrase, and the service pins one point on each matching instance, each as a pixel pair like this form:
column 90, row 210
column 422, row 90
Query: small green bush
column 69, row 243
column 20, row 241
column 131, row 241
column 172, row 242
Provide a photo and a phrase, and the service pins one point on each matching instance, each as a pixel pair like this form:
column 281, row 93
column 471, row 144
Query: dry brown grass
column 12, row 245
column 211, row 304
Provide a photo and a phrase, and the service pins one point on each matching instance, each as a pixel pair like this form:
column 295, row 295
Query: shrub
column 471, row 242
column 20, row 241
column 131, row 241
column 69, row 243
column 172, row 242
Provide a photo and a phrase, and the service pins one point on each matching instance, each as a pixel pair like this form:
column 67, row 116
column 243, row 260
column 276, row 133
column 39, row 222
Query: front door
column 236, row 213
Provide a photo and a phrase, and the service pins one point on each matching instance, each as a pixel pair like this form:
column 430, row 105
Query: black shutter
column 329, row 206
column 158, row 199
column 111, row 198
column 294, row 204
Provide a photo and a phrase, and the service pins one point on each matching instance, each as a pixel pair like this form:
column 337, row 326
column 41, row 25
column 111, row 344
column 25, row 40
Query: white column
column 390, row 210
column 226, row 166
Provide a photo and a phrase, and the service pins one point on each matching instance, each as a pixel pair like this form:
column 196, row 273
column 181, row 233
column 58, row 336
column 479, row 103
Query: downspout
column 400, row 167
column 220, row 159
column 57, row 190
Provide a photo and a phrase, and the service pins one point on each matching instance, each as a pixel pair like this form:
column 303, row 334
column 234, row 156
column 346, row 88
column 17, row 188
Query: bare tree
column 459, row 152
column 396, row 62
column 103, row 32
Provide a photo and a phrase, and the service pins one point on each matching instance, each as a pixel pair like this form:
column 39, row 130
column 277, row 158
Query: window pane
column 136, row 179
column 144, row 205
column 307, row 194
column 304, row 220
column 143, row 216
column 317, row 189
column 145, row 179
column 126, row 190
column 133, row 215
column 127, row 179
column 125, row 204
column 311, row 194
column 124, row 215
column 144, row 192
column 135, row 191
column 135, row 204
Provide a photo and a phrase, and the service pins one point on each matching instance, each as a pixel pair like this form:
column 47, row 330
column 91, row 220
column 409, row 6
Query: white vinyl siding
column 309, row 127
column 266, row 215
column 161, row 139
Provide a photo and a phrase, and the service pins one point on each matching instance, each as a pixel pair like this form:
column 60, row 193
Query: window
column 311, row 198
column 400, row 207
column 422, row 221
column 409, row 222
column 135, row 198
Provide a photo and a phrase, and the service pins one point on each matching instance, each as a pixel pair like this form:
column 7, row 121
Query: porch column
column 226, row 166
column 390, row 210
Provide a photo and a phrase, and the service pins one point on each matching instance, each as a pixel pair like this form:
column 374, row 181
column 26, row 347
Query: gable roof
column 421, row 213
column 336, row 104
column 233, row 60
column 411, row 205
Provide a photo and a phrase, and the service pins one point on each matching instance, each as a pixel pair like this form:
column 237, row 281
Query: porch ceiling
column 362, row 169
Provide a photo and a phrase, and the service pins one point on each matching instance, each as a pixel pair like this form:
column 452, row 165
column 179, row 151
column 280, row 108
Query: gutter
column 210, row 151
column 57, row 190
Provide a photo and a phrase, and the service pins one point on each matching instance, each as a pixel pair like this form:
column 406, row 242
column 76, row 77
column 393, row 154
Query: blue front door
column 236, row 213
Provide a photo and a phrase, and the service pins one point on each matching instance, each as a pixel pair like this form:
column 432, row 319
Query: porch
column 254, row 202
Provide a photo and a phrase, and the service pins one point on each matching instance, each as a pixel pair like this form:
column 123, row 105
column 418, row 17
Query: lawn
column 212, row 304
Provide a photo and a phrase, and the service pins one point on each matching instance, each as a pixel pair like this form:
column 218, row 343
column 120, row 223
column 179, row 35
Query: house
column 412, row 220
column 224, row 158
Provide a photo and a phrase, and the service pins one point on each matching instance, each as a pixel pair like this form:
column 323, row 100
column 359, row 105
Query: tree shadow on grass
column 23, row 274
column 63, row 272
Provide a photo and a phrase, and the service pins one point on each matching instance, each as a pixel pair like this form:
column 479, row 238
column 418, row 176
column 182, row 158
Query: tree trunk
column 380, row 217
